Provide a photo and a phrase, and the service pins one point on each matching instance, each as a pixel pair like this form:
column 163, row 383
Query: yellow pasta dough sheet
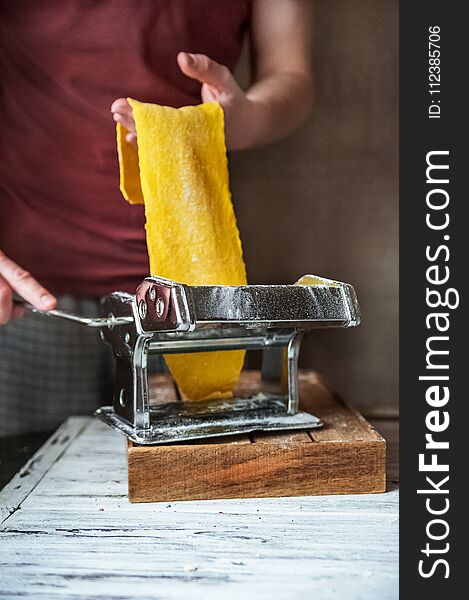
column 180, row 173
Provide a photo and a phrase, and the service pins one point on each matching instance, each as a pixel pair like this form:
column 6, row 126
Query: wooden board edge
column 364, row 483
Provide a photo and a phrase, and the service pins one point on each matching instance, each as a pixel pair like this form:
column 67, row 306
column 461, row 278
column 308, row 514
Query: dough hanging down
column 180, row 173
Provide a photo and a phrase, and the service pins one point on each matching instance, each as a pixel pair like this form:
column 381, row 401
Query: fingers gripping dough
column 181, row 175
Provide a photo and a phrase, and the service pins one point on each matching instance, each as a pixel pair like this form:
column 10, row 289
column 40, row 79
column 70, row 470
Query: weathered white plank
column 24, row 482
column 308, row 558
column 77, row 536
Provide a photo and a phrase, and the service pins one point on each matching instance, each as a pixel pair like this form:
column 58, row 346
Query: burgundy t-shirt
column 62, row 63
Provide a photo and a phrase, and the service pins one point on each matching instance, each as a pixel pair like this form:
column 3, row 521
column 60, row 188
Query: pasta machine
column 167, row 317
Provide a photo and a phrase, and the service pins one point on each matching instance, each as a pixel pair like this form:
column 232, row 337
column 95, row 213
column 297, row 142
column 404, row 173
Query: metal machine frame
column 167, row 317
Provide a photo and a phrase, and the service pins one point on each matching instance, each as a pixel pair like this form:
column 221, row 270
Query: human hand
column 218, row 85
column 14, row 278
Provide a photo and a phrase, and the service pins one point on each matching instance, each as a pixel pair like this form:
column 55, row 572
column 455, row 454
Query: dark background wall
column 325, row 201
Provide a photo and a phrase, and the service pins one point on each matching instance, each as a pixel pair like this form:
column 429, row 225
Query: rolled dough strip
column 181, row 175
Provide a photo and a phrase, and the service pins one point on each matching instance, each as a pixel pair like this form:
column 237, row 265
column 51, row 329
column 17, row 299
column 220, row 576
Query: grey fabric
column 51, row 368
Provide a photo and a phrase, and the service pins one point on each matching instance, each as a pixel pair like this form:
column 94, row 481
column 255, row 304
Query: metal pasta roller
column 166, row 317
column 169, row 317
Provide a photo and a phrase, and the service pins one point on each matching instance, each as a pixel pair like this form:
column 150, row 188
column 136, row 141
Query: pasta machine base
column 184, row 421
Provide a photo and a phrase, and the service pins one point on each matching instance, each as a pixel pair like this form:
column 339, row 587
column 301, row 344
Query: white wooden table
column 68, row 531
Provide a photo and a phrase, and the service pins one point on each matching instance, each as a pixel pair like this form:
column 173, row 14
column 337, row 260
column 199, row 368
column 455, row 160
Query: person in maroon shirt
column 65, row 232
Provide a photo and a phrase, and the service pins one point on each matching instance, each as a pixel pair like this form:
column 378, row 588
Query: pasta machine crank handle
column 100, row 322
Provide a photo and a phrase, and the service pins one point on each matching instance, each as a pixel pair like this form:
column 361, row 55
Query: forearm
column 275, row 106
column 282, row 93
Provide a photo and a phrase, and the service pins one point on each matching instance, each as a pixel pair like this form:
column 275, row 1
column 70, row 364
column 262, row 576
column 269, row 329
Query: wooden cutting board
column 346, row 456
